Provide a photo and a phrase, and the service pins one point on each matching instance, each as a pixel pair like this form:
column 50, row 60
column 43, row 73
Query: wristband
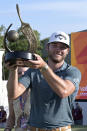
column 44, row 68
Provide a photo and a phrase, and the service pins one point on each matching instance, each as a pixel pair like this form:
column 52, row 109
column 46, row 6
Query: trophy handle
column 5, row 43
column 28, row 33
column 18, row 11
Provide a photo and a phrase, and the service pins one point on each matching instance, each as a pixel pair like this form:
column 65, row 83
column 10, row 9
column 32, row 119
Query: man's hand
column 10, row 66
column 38, row 63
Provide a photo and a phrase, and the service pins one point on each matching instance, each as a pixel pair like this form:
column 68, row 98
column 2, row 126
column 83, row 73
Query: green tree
column 44, row 52
column 39, row 44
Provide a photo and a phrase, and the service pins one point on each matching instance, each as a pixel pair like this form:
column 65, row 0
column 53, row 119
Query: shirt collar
column 63, row 67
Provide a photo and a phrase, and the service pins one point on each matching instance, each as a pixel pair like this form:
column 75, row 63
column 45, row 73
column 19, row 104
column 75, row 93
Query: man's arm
column 63, row 88
column 14, row 89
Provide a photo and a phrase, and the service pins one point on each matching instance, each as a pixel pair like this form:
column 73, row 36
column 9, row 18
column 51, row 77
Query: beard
column 56, row 59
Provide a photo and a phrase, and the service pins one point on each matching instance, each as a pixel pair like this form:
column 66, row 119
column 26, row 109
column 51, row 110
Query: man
column 54, row 86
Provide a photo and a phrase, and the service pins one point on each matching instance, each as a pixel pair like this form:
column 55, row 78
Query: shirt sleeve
column 25, row 79
column 74, row 75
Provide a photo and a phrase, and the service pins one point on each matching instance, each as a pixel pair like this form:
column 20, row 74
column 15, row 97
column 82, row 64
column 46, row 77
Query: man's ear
column 68, row 49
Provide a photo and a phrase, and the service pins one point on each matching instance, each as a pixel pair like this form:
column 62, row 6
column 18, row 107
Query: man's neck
column 54, row 66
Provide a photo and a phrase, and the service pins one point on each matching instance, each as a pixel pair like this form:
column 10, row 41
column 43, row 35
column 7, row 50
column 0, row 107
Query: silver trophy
column 20, row 57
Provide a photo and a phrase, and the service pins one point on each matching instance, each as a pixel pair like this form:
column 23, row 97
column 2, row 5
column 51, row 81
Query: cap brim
column 59, row 42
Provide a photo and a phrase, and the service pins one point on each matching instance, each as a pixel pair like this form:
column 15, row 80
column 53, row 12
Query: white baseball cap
column 59, row 37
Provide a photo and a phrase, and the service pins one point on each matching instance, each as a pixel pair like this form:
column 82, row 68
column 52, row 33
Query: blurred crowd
column 3, row 116
column 77, row 114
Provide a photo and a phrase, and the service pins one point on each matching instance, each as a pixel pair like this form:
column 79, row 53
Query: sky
column 45, row 16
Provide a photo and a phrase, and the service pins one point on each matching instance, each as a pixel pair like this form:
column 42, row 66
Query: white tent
column 3, row 89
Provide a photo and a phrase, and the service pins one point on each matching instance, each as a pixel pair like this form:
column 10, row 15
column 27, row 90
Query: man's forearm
column 53, row 80
column 62, row 87
column 12, row 83
column 14, row 88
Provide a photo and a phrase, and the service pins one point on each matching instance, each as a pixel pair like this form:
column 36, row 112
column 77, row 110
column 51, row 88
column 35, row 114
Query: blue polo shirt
column 48, row 110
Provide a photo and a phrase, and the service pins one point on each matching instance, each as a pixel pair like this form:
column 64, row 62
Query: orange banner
column 79, row 59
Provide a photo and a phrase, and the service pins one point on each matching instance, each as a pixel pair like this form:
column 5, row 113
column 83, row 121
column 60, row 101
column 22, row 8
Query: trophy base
column 19, row 58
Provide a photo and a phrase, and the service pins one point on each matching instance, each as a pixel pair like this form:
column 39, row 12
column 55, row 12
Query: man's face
column 57, row 52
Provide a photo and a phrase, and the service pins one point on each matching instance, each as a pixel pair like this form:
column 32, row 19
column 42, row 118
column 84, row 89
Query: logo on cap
column 60, row 36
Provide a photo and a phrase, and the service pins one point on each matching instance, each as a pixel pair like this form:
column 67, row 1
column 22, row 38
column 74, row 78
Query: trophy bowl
column 20, row 58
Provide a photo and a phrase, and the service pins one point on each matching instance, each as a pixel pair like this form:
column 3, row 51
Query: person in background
column 54, row 85
column 73, row 113
column 18, row 107
column 78, row 115
column 3, row 116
